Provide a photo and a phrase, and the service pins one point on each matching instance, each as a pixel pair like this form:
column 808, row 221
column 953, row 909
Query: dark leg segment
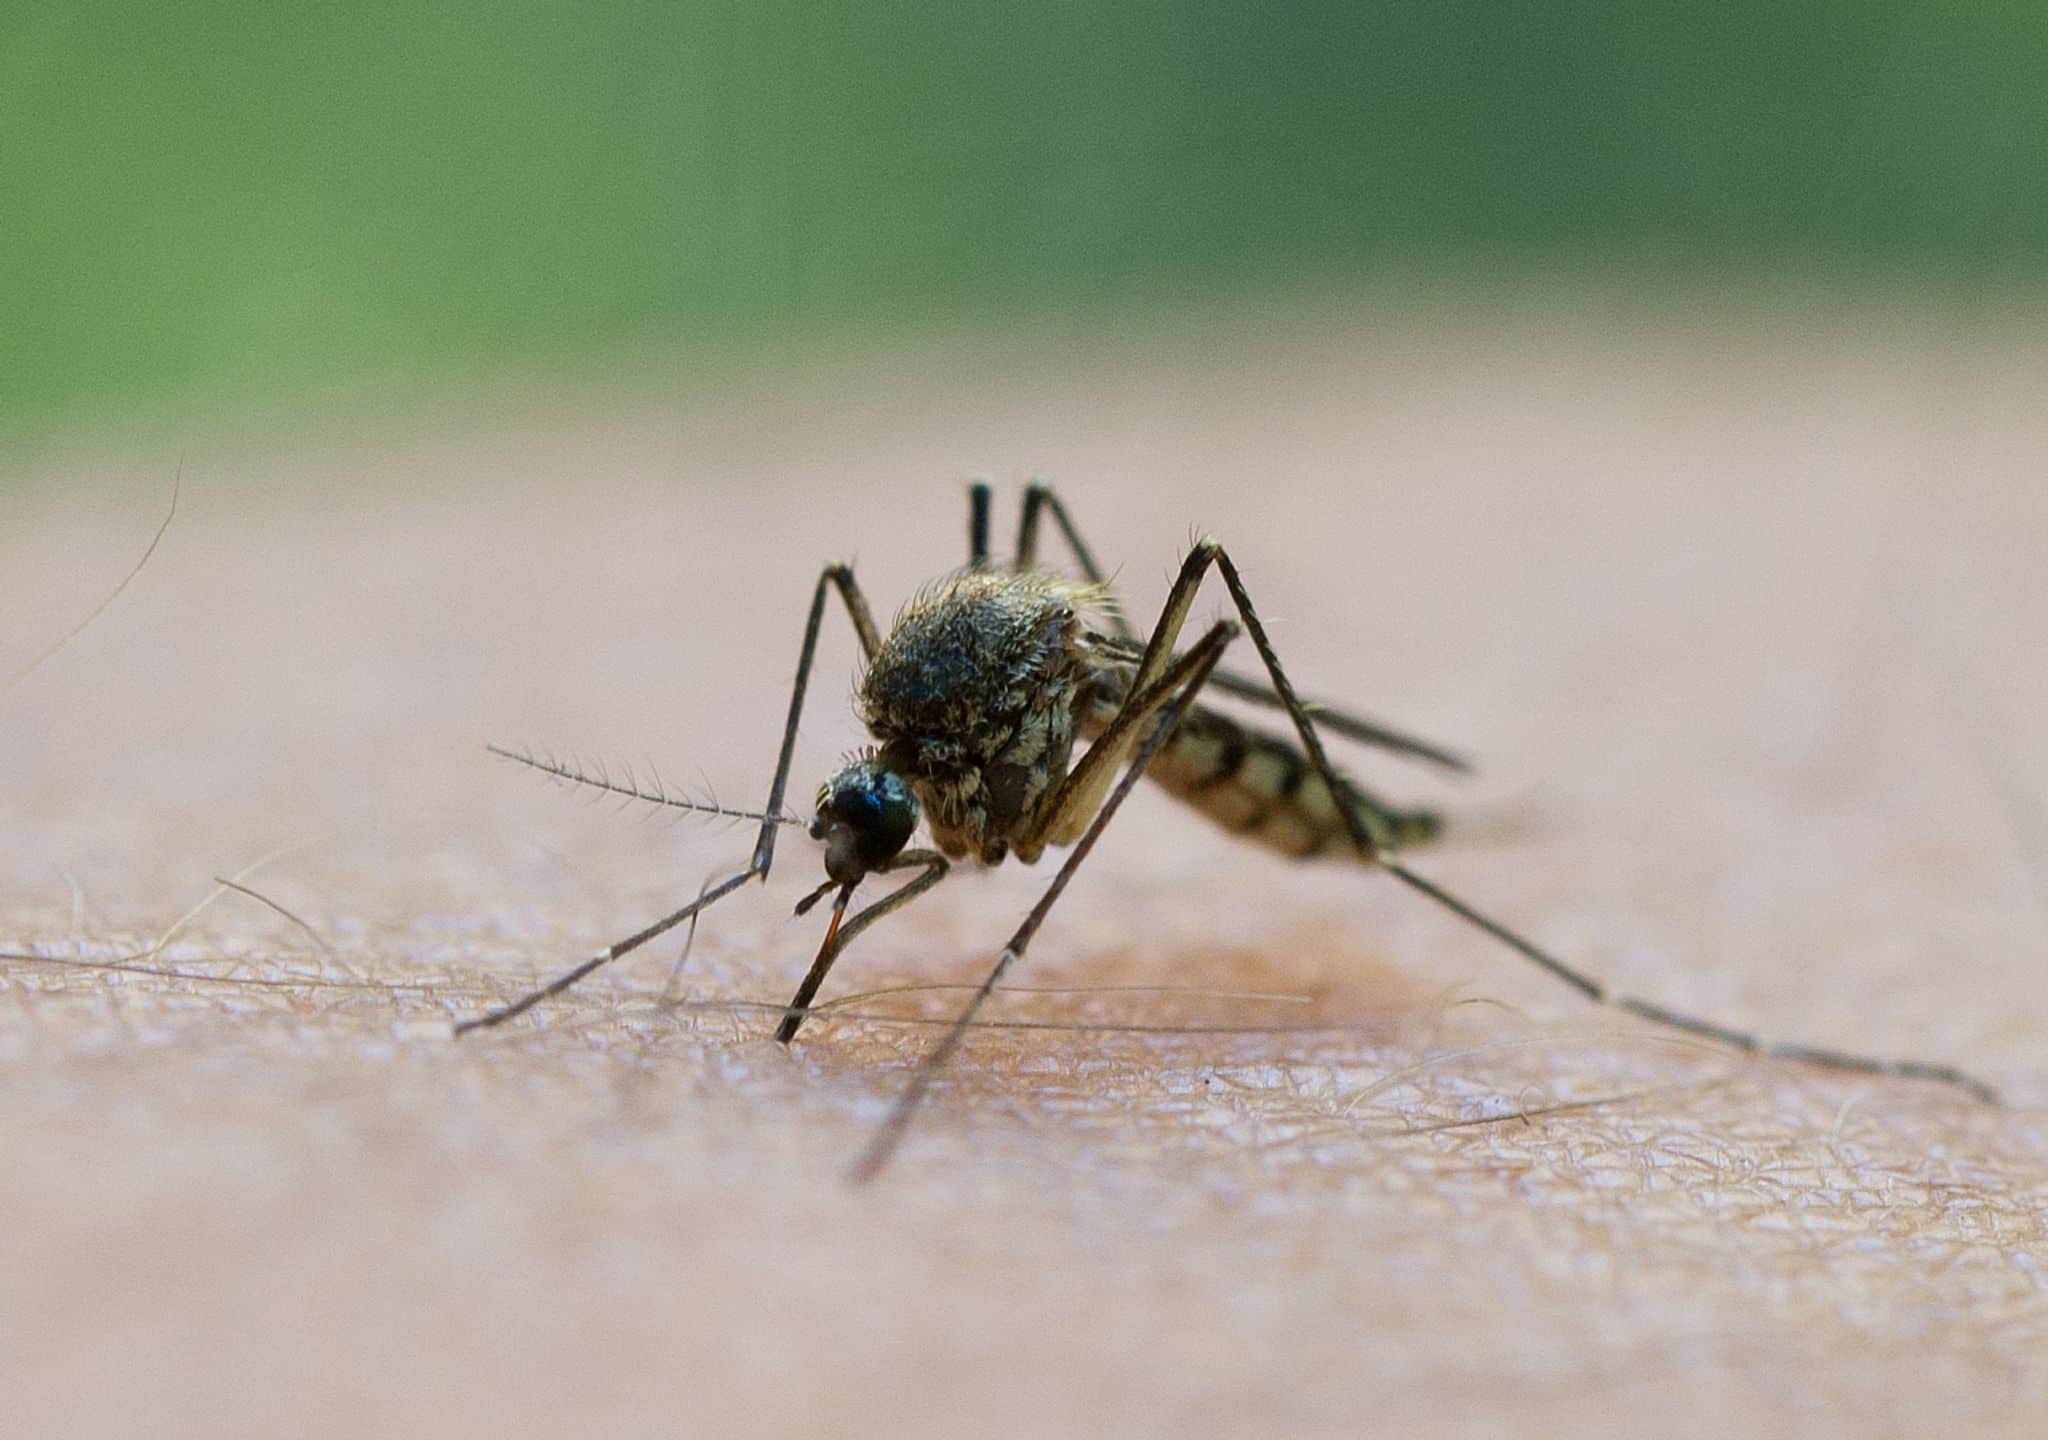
column 841, row 578
column 1175, row 691
column 1208, row 551
column 1040, row 497
column 607, row 955
column 834, row 577
column 977, row 525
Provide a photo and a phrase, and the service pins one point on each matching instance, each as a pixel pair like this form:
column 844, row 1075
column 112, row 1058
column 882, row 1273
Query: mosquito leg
column 1039, row 497
column 935, row 867
column 1598, row 992
column 605, row 956
column 833, row 577
column 977, row 525
column 857, row 610
column 1174, row 693
column 1065, row 813
column 1595, row 990
column 840, row 577
column 1336, row 721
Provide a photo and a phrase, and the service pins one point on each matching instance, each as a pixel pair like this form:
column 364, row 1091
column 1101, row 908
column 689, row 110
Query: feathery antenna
column 631, row 788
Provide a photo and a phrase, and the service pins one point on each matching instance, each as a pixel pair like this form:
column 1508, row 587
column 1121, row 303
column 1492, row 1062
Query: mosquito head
column 865, row 816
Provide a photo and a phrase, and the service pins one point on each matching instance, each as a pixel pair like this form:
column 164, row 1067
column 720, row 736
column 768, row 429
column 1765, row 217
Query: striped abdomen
column 1262, row 786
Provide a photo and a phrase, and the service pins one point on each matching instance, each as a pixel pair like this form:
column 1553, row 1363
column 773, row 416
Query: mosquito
column 976, row 699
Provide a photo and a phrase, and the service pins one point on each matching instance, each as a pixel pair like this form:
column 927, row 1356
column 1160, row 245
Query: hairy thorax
column 974, row 697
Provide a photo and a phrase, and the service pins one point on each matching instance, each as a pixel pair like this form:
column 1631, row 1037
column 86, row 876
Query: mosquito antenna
column 1742, row 1040
column 631, row 788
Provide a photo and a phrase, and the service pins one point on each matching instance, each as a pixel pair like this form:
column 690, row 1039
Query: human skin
column 1744, row 627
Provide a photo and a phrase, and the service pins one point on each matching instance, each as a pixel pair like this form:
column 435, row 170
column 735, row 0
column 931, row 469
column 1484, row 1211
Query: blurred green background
column 210, row 204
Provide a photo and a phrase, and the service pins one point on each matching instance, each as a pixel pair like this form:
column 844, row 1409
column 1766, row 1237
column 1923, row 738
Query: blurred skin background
column 221, row 210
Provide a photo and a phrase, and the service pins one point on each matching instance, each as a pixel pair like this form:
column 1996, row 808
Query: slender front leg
column 834, row 577
column 841, row 578
column 1360, row 828
column 1039, row 497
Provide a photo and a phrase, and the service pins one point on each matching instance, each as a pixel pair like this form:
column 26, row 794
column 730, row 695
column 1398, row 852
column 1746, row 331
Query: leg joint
column 1206, row 552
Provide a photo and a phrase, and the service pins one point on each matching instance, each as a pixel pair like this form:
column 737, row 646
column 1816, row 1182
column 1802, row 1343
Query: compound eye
column 883, row 815
column 862, row 809
column 865, row 817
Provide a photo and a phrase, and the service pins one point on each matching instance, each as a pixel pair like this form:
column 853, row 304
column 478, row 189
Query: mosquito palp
column 976, row 700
